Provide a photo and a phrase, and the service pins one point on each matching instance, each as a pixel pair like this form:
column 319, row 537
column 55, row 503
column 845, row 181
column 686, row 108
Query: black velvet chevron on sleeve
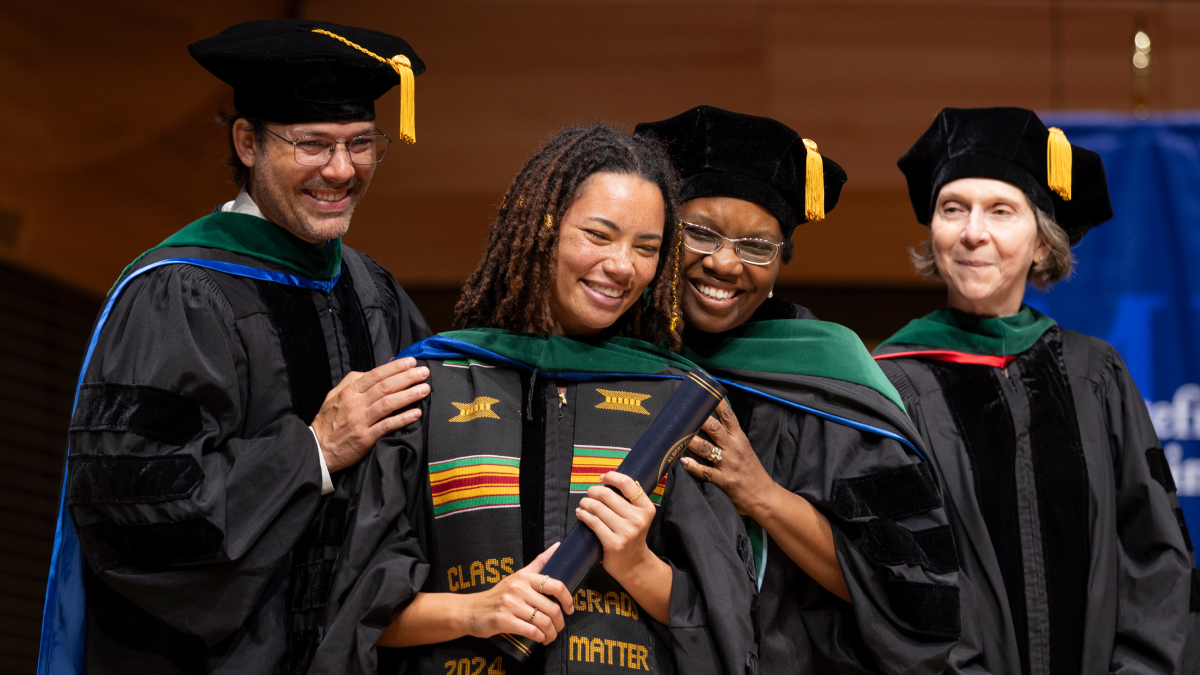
column 886, row 543
column 930, row 608
column 112, row 545
column 890, row 493
column 130, row 479
column 938, row 545
column 1194, row 603
column 1187, row 538
column 148, row 411
column 1160, row 468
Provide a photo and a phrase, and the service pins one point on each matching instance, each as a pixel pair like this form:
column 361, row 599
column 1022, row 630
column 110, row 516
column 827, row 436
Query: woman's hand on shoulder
column 738, row 472
column 620, row 520
column 519, row 605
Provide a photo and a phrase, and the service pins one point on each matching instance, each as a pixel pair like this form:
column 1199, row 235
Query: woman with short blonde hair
column 1073, row 555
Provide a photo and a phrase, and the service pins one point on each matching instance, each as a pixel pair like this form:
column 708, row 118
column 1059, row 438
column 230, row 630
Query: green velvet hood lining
column 958, row 331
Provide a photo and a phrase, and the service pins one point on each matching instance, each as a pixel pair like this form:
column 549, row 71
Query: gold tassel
column 1058, row 163
column 408, row 98
column 408, row 81
column 675, row 282
column 814, row 184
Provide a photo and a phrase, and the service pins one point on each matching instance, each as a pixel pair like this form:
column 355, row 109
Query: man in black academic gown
column 236, row 380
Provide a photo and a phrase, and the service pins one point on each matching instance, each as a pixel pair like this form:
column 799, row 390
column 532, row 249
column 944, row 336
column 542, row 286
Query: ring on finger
column 545, row 578
column 714, row 455
column 532, row 616
column 640, row 492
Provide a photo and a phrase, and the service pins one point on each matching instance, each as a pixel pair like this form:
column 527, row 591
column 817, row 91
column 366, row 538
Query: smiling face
column 608, row 247
column 984, row 240
column 315, row 203
column 722, row 290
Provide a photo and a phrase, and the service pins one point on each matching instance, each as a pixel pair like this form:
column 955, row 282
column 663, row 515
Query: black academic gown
column 470, row 551
column 194, row 480
column 1062, row 504
column 894, row 547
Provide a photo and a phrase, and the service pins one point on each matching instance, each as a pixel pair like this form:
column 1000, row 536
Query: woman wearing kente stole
column 531, row 408
column 855, row 561
column 1073, row 549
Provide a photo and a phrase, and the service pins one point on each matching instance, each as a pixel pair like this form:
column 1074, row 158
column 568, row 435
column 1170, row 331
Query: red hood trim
column 953, row 357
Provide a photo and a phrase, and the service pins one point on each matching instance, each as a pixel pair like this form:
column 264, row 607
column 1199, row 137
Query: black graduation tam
column 726, row 154
column 1012, row 145
column 297, row 70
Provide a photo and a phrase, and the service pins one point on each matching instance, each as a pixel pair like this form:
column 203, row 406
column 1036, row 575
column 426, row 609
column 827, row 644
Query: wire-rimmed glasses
column 750, row 250
column 318, row 150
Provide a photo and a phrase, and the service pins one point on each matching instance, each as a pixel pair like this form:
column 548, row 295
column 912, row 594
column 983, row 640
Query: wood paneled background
column 112, row 146
column 109, row 144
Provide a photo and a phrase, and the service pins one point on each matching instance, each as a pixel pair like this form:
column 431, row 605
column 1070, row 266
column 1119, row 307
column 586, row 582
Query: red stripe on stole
column 469, row 481
column 953, row 357
column 592, row 468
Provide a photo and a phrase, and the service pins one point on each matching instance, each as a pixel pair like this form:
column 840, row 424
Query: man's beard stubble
column 286, row 204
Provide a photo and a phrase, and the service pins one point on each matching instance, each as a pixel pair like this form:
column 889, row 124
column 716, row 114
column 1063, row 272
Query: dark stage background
column 111, row 144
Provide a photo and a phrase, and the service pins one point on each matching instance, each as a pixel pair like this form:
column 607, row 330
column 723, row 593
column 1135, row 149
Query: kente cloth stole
column 475, row 420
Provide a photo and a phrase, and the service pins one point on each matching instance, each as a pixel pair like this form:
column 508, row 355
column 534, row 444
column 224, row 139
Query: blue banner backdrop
column 1136, row 282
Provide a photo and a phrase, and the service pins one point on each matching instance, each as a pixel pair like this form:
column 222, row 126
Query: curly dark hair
column 511, row 286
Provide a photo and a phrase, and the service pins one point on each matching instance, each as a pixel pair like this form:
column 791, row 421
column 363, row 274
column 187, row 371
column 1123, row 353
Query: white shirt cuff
column 326, row 481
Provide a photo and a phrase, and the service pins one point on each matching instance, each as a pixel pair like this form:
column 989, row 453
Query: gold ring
column 545, row 578
column 531, row 616
column 714, row 455
column 639, row 494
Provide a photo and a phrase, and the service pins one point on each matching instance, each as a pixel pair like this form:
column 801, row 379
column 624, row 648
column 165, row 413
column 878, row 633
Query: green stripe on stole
column 474, row 466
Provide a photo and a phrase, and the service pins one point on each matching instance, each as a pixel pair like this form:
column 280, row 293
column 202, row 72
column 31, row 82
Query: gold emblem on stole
column 625, row 401
column 480, row 407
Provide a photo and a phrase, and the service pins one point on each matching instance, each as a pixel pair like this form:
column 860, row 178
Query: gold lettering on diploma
column 625, row 401
column 608, row 652
column 479, row 408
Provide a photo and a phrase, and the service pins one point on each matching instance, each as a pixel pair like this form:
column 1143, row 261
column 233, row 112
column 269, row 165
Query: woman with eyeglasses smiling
column 851, row 548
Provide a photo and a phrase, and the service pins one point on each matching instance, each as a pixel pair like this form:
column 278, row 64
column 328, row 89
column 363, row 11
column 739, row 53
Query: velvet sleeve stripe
column 148, row 411
column 1160, row 468
column 886, row 543
column 131, row 479
column 929, row 608
column 1187, row 538
column 938, row 545
column 890, row 493
column 1194, row 600
column 112, row 545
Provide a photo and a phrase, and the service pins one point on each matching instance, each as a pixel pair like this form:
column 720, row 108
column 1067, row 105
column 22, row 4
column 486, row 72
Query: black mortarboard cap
column 298, row 70
column 1013, row 145
column 726, row 154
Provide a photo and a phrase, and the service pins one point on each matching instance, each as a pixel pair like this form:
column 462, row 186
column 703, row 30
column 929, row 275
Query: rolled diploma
column 650, row 457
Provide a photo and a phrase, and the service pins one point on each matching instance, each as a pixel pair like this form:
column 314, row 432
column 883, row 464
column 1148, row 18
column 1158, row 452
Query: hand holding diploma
column 625, row 525
column 620, row 517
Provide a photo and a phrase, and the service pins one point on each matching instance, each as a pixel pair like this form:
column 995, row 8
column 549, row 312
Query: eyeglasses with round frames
column 318, row 150
column 750, row 250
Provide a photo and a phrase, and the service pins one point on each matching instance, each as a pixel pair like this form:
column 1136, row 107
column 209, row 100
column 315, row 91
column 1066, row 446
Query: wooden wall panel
column 128, row 152
column 41, row 348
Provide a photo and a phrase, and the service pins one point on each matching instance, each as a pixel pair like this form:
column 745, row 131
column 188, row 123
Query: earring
column 771, row 293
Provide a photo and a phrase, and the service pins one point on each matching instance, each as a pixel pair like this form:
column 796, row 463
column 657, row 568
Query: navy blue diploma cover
column 680, row 418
